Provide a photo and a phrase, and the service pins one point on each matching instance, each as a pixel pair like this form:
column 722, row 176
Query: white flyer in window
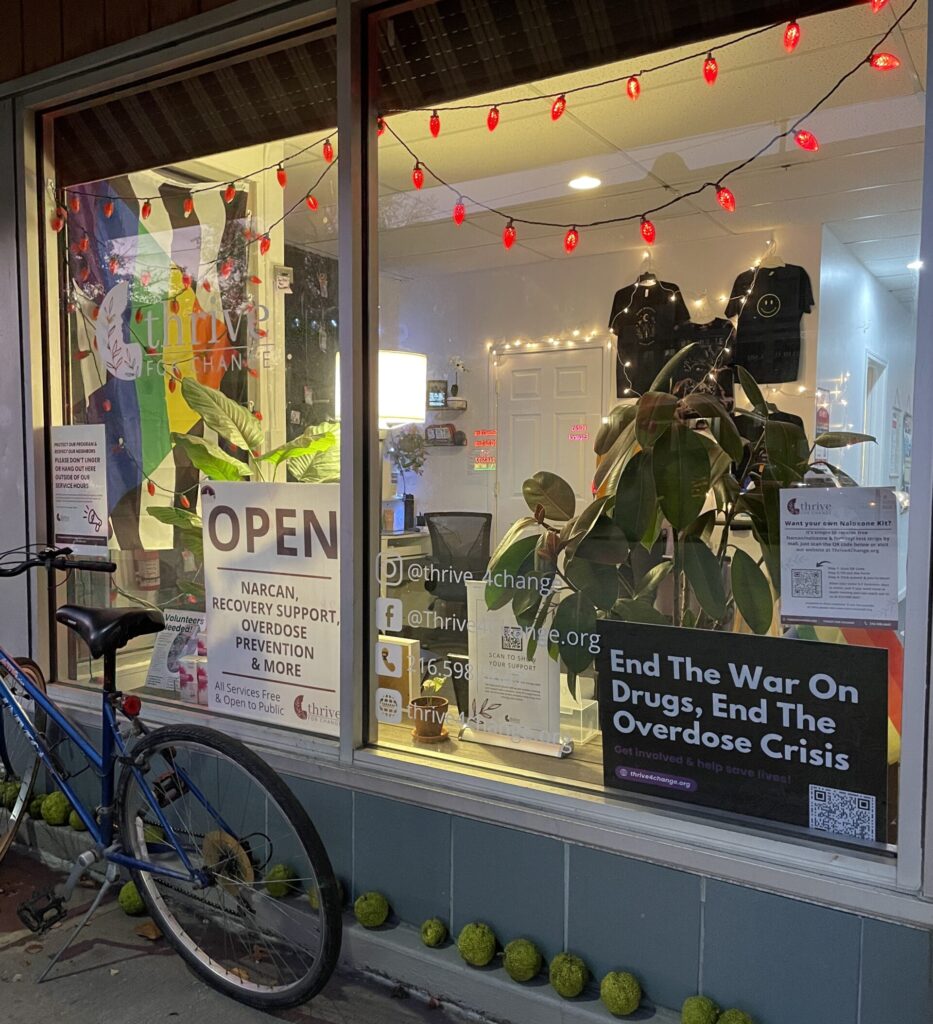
column 79, row 488
column 839, row 556
column 272, row 593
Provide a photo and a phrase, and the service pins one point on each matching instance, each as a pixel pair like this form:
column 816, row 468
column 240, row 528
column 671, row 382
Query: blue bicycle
column 226, row 860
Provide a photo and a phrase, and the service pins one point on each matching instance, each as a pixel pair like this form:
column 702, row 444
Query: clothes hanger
column 701, row 312
column 647, row 276
column 772, row 258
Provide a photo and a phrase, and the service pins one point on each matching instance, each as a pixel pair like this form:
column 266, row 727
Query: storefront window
column 647, row 533
column 201, row 344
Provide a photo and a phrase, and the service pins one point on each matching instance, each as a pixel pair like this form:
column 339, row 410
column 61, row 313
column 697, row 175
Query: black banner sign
column 786, row 730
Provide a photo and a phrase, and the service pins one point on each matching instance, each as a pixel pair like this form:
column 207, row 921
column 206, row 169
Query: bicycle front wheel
column 263, row 923
column 20, row 768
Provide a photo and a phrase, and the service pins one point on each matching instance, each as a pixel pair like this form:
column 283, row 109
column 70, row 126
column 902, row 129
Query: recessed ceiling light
column 584, row 181
column 915, row 265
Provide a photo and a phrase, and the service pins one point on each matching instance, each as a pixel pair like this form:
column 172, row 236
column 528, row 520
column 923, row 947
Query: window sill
column 857, row 883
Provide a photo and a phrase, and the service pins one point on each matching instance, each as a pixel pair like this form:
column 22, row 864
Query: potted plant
column 408, row 452
column 429, row 711
column 677, row 477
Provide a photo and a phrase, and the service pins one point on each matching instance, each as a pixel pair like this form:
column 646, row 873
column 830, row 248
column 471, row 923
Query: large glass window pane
column 680, row 583
column 201, row 343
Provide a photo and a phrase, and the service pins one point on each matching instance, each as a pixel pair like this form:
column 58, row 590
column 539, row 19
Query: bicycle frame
column 103, row 762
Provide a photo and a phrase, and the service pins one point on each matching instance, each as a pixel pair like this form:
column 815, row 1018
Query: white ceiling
column 865, row 183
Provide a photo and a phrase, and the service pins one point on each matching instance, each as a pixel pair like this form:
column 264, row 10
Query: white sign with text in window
column 79, row 488
column 839, row 556
column 272, row 582
column 512, row 698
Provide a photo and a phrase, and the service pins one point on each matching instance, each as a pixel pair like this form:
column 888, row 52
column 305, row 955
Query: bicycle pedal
column 42, row 911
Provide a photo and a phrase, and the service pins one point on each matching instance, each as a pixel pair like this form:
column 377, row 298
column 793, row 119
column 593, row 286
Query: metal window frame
column 746, row 856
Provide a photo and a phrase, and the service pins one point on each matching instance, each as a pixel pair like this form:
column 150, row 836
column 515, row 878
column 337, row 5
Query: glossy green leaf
column 636, row 499
column 702, row 527
column 619, row 418
column 553, row 493
column 575, row 622
column 681, row 475
column 605, row 543
column 525, row 605
column 722, row 426
column 655, row 413
column 537, row 626
column 311, row 442
column 842, row 439
column 511, row 535
column 628, row 609
column 704, row 574
column 788, row 450
column 753, row 392
column 187, row 523
column 665, row 379
column 609, row 469
column 652, row 579
column 211, row 460
column 599, row 582
column 229, row 419
column 752, row 592
column 498, row 592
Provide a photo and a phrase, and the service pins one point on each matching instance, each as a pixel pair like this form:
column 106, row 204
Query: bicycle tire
column 173, row 737
column 28, row 763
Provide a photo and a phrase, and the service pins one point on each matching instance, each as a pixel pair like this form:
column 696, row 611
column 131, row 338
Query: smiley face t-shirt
column 769, row 303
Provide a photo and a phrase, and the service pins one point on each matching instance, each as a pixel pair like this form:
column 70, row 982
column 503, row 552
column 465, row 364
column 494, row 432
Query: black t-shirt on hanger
column 643, row 318
column 711, row 340
column 767, row 340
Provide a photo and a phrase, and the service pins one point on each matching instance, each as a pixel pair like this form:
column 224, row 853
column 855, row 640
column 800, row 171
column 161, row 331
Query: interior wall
column 446, row 316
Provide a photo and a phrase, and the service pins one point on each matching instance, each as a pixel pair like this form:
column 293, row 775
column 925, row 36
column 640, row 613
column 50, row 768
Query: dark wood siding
column 41, row 33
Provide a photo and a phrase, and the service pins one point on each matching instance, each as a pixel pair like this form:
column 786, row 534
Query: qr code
column 842, row 812
column 806, row 582
column 512, row 638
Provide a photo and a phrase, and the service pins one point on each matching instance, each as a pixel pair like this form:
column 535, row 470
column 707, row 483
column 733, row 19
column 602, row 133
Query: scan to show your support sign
column 271, row 563
column 785, row 730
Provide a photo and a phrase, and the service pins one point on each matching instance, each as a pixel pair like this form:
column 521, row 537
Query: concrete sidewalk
column 114, row 976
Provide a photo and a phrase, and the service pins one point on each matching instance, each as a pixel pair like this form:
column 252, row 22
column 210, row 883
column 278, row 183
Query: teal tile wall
column 629, row 915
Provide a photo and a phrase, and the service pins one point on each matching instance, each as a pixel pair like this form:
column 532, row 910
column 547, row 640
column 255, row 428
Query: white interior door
column 549, row 407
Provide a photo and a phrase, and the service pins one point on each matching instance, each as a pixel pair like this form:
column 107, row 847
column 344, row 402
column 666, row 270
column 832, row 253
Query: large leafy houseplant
column 655, row 545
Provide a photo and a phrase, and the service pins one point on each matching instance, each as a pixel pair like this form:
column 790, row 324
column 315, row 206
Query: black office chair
column 459, row 542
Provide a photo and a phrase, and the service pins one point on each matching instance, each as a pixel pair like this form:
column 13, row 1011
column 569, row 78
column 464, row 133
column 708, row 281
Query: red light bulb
column 459, row 212
column 327, row 151
column 311, row 201
column 791, row 36
column 107, row 405
column 146, row 210
column 57, row 220
column 144, row 278
column 85, row 273
column 280, row 176
column 114, row 264
column 174, row 305
column 710, row 69
column 150, row 487
column 807, row 140
column 229, row 193
column 884, row 61
column 138, row 316
column 172, row 384
column 226, row 267
column 558, row 107
column 264, row 244
column 74, row 202
column 509, row 234
column 417, row 176
column 435, row 124
column 206, row 285
column 186, row 281
column 633, row 87
column 878, row 5
column 83, row 244
column 725, row 198
column 108, row 208
column 258, row 415
column 571, row 240
column 492, row 118
column 648, row 231
column 380, row 126
column 183, row 501
column 253, row 279
column 188, row 206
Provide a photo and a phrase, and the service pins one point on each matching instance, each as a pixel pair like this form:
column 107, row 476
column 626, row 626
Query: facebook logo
column 389, row 614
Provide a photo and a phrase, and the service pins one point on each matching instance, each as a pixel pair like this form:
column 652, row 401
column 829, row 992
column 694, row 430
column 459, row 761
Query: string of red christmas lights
column 876, row 59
